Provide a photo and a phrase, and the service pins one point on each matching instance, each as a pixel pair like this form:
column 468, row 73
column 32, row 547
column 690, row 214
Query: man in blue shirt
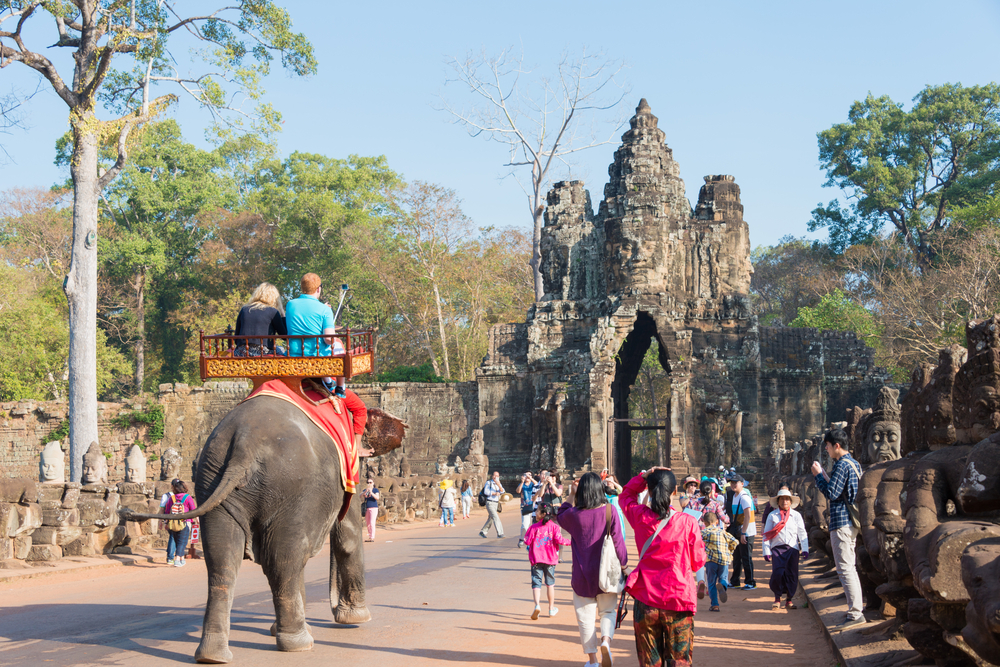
column 493, row 490
column 527, row 489
column 308, row 316
column 841, row 488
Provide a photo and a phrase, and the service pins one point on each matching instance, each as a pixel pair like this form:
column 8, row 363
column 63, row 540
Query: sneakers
column 553, row 611
column 714, row 608
column 179, row 562
column 482, row 535
column 535, row 613
column 170, row 561
column 723, row 592
column 702, row 589
column 851, row 623
column 749, row 587
column 499, row 537
column 606, row 660
column 520, row 543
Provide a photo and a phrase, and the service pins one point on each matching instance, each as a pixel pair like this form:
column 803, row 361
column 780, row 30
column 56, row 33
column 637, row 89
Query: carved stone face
column 135, row 465
column 52, row 468
column 883, row 441
column 170, row 465
column 95, row 466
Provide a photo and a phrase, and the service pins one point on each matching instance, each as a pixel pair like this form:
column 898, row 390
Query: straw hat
column 445, row 483
column 784, row 492
column 689, row 480
column 504, row 497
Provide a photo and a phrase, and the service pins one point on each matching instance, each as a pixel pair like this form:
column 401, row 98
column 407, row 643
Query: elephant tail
column 231, row 479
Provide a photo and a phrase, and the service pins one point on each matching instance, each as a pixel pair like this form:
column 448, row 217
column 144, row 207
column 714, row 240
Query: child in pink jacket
column 544, row 539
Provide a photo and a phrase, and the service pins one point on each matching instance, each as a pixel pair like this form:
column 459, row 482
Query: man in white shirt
column 493, row 490
column 744, row 527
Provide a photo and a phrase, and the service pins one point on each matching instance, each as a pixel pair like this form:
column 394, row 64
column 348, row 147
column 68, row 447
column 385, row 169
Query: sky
column 739, row 88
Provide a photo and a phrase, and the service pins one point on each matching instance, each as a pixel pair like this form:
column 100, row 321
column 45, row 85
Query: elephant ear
column 383, row 431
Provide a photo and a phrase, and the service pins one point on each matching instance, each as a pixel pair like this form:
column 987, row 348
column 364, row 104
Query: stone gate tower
column 647, row 265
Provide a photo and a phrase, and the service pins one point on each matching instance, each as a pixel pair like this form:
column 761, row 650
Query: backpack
column 852, row 508
column 177, row 525
column 482, row 497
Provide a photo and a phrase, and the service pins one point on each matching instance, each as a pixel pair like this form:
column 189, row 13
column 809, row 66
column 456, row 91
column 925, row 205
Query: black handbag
column 482, row 497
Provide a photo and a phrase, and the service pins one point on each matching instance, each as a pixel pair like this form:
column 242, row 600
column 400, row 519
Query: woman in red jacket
column 661, row 583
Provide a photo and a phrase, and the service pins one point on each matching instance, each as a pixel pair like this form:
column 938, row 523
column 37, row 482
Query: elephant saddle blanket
column 339, row 418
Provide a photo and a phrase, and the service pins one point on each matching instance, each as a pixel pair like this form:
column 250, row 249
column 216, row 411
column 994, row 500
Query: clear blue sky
column 740, row 88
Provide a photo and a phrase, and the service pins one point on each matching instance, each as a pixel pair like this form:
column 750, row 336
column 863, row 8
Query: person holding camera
column 527, row 488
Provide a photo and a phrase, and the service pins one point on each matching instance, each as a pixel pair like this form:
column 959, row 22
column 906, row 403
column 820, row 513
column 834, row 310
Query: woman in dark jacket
column 264, row 315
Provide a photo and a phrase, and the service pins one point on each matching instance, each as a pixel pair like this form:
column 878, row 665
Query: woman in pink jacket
column 661, row 583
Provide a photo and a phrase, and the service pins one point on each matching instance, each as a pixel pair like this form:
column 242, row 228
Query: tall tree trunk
column 81, row 293
column 537, row 214
column 444, row 340
column 140, row 343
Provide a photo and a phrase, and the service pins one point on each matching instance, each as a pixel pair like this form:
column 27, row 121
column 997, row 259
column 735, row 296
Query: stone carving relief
column 95, row 466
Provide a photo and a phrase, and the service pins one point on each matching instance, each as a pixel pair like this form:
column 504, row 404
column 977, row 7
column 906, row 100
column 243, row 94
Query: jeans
column 494, row 519
column 588, row 610
column 843, row 541
column 714, row 574
column 177, row 542
column 466, row 506
column 448, row 516
column 743, row 560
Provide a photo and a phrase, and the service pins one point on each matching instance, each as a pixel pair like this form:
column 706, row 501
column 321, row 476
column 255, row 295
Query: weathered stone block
column 29, row 517
column 56, row 535
column 9, row 521
column 95, row 511
column 6, row 548
column 85, row 545
column 61, row 517
column 44, row 552
column 22, row 546
column 18, row 490
column 51, row 492
column 71, row 496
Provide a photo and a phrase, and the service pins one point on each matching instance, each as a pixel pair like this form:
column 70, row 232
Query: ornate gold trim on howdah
column 361, row 363
column 235, row 367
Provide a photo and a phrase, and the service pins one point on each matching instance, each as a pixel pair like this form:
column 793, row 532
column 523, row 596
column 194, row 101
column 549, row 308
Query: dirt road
column 438, row 596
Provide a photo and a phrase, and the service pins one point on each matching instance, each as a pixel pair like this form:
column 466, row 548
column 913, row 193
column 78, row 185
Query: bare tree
column 236, row 44
column 539, row 120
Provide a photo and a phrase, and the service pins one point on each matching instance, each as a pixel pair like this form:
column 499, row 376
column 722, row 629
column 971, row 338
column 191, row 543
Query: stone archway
column 628, row 362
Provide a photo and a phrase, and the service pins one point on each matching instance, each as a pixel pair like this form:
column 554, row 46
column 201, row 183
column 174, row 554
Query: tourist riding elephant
column 268, row 485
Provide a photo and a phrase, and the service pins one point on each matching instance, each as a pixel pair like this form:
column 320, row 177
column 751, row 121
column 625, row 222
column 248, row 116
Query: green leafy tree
column 152, row 214
column 125, row 53
column 837, row 312
column 912, row 170
column 788, row 276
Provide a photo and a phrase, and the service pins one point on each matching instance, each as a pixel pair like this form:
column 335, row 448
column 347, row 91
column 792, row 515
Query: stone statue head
column 135, row 465
column 95, row 466
column 170, row 465
column 880, row 429
column 977, row 385
column 52, row 467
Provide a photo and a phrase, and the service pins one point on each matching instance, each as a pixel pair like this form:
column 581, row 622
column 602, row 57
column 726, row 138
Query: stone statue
column 459, row 466
column 95, row 466
column 170, row 465
column 135, row 465
column 880, row 429
column 778, row 438
column 442, row 466
column 52, row 467
column 404, row 467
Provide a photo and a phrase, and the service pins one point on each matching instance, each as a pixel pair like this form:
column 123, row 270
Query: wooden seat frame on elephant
column 219, row 359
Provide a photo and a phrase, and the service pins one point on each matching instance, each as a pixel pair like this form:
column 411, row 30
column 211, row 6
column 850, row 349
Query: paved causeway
column 438, row 596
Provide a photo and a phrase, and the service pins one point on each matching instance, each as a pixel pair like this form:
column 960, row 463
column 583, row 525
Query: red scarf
column 769, row 535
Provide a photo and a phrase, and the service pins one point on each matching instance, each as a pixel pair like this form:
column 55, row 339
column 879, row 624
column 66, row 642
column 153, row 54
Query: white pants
column 466, row 505
column 525, row 524
column 588, row 610
column 842, row 541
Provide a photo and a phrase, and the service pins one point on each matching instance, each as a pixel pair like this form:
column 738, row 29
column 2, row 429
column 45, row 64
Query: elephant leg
column 347, row 568
column 288, row 589
column 223, row 541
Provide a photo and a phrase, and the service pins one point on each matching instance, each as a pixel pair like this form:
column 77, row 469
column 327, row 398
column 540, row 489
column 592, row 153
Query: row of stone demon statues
column 929, row 500
column 52, row 518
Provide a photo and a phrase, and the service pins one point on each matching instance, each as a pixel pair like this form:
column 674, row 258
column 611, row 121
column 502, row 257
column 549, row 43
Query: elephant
column 268, row 487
